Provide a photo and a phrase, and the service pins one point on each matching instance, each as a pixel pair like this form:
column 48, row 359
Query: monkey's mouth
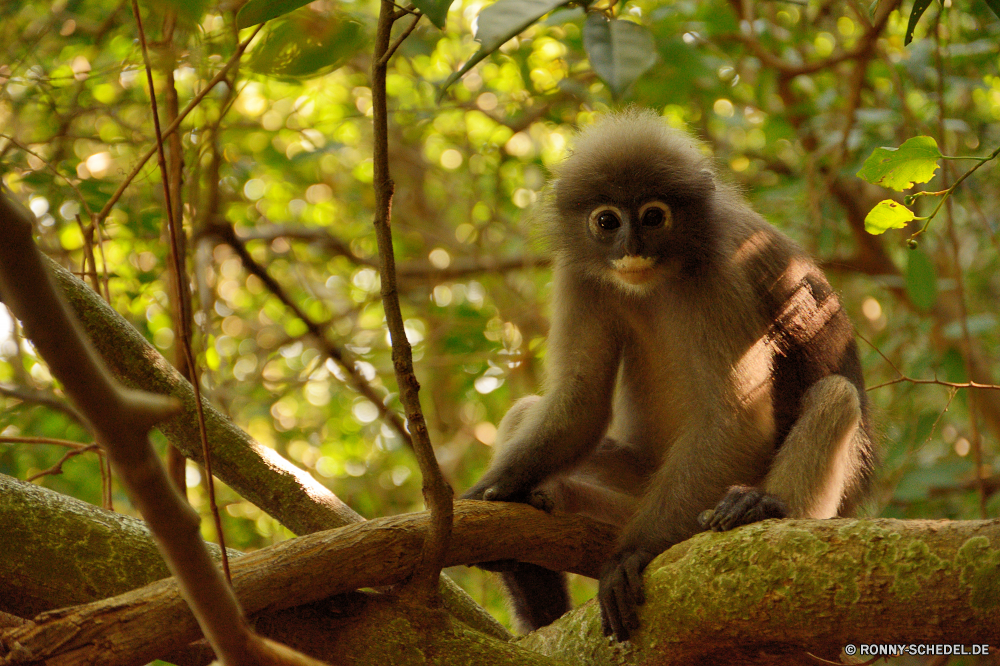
column 634, row 270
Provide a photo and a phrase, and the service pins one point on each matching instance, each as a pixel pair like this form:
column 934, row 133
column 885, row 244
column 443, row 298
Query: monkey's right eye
column 608, row 221
column 605, row 219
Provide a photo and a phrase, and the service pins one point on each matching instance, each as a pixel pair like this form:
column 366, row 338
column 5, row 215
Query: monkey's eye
column 605, row 219
column 655, row 214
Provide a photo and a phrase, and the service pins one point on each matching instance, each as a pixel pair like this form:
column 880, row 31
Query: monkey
column 699, row 365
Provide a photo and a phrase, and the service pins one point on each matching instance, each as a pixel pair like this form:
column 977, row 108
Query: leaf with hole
column 258, row 11
column 500, row 22
column 899, row 168
column 303, row 46
column 619, row 51
column 887, row 214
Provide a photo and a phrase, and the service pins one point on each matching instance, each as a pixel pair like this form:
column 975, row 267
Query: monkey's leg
column 538, row 596
column 817, row 464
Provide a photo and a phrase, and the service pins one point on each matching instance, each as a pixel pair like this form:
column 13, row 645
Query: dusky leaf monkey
column 698, row 359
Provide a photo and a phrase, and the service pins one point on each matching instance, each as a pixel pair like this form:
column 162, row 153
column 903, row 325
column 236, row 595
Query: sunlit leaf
column 307, row 46
column 921, row 281
column 258, row 11
column 500, row 22
column 919, row 7
column 899, row 168
column 435, row 10
column 888, row 214
column 619, row 51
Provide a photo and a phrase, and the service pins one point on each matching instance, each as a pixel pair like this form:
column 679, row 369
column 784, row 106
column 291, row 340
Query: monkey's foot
column 743, row 505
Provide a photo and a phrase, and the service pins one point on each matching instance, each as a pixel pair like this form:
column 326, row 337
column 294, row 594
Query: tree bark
column 767, row 593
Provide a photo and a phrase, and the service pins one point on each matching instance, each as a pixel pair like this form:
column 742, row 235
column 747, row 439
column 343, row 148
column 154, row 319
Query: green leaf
column 500, row 22
column 258, row 11
column 921, row 282
column 995, row 6
column 888, row 214
column 899, row 168
column 619, row 51
column 302, row 46
column 435, row 10
column 919, row 7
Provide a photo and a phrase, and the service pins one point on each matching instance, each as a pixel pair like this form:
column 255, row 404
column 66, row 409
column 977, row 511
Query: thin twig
column 57, row 468
column 172, row 127
column 437, row 493
column 181, row 293
column 977, row 441
column 227, row 235
column 399, row 40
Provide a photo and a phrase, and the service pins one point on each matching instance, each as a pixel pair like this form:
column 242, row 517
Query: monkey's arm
column 695, row 474
column 566, row 424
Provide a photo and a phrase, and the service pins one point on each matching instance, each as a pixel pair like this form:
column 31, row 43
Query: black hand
column 620, row 592
column 743, row 505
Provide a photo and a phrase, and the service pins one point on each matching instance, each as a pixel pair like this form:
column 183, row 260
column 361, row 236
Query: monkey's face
column 632, row 205
column 632, row 238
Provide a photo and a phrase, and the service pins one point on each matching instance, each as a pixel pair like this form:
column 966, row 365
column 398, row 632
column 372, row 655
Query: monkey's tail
column 539, row 595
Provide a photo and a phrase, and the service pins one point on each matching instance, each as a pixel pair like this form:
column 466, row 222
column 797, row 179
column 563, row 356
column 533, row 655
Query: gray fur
column 724, row 376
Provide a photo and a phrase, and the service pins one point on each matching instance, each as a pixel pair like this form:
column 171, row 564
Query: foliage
column 790, row 100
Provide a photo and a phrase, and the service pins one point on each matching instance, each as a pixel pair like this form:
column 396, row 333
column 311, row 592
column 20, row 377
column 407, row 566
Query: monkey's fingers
column 743, row 505
column 621, row 593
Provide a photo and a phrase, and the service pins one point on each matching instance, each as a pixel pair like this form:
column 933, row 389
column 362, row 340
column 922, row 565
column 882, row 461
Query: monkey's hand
column 538, row 498
column 743, row 505
column 502, row 485
column 620, row 592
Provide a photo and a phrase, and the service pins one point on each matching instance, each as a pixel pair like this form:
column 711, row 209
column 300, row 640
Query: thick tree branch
column 121, row 419
column 257, row 473
column 774, row 588
column 305, row 570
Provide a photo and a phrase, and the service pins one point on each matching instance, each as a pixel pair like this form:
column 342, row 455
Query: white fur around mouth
column 634, row 270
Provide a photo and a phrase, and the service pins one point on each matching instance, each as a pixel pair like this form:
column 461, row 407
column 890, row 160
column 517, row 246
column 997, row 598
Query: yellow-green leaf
column 899, row 168
column 888, row 214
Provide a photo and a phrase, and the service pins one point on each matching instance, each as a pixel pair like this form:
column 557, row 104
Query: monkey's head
column 632, row 203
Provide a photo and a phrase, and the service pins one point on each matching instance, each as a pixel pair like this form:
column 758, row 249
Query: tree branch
column 437, row 493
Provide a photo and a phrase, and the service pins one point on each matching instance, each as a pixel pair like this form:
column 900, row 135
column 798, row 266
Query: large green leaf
column 619, row 51
column 302, row 46
column 919, row 7
column 888, row 214
column 500, row 22
column 435, row 10
column 899, row 168
column 995, row 6
column 258, row 11
column 921, row 281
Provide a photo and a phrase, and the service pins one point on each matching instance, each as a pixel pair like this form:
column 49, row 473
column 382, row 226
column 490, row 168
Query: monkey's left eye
column 605, row 219
column 655, row 214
